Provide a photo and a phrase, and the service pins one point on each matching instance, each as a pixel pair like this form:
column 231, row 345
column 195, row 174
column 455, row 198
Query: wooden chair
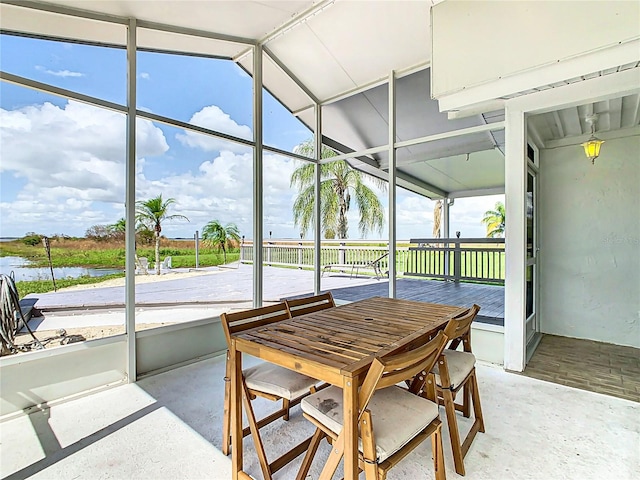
column 455, row 371
column 263, row 380
column 392, row 421
column 302, row 306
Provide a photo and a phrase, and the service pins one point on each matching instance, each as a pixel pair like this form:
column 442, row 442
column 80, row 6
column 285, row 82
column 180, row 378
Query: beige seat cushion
column 460, row 365
column 397, row 415
column 269, row 378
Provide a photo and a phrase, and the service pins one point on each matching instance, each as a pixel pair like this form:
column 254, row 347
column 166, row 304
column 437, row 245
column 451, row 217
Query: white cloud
column 59, row 73
column 145, row 75
column 213, row 118
column 68, row 166
column 66, row 160
column 222, row 188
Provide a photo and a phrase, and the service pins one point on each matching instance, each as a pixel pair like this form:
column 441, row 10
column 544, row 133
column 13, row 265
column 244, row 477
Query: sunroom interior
column 449, row 142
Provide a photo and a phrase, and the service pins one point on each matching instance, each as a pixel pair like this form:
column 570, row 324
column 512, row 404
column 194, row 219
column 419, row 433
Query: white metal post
column 515, row 253
column 317, row 238
column 392, row 185
column 130, row 205
column 257, row 176
column 446, row 231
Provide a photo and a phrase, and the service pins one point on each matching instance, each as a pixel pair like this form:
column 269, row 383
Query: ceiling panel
column 311, row 62
column 478, row 170
column 174, row 42
column 24, row 20
column 381, row 36
column 279, row 84
column 240, row 18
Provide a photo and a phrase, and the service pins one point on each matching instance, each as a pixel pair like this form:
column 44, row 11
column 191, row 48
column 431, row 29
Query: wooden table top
column 345, row 339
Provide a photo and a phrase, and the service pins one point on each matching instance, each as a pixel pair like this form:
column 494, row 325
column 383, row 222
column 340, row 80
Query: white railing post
column 457, row 262
column 342, row 254
column 300, row 256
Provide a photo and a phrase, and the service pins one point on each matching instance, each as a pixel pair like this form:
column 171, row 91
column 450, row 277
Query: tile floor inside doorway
column 588, row 365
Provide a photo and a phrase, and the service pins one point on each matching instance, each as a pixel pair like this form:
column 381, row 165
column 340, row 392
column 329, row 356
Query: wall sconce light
column 592, row 146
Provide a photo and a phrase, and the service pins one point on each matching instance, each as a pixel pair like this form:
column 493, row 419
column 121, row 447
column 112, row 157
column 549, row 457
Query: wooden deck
column 489, row 297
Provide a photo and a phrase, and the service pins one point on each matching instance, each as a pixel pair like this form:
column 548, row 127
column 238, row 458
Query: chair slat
column 315, row 303
column 256, row 317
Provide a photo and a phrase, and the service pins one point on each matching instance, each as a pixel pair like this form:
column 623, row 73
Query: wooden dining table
column 336, row 345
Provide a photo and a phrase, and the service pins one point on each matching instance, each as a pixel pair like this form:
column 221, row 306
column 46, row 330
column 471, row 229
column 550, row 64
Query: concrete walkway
column 213, row 286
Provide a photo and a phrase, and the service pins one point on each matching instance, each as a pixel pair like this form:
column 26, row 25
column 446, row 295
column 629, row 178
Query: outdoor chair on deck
column 315, row 303
column 264, row 380
column 455, row 370
column 165, row 266
column 142, row 265
column 392, row 421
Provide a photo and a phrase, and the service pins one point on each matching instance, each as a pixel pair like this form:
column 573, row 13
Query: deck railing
column 471, row 259
column 478, row 259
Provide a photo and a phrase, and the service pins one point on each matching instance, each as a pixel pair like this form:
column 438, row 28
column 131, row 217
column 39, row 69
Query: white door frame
column 516, row 110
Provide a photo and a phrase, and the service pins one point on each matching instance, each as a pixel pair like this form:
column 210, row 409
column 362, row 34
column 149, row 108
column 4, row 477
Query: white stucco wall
column 590, row 243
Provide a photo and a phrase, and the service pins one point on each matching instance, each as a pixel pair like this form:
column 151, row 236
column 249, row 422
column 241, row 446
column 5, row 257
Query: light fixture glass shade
column 592, row 148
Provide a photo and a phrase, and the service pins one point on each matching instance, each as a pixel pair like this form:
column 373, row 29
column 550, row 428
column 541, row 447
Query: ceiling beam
column 578, row 139
column 535, row 135
column 338, row 147
column 290, row 24
column 61, row 92
column 193, row 32
column 429, row 187
column 451, row 134
column 615, row 113
column 71, row 11
column 630, row 115
column 480, row 192
column 476, row 95
column 376, row 83
column 290, row 74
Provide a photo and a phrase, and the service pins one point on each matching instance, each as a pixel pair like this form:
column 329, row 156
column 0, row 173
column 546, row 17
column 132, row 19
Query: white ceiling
column 613, row 115
column 342, row 52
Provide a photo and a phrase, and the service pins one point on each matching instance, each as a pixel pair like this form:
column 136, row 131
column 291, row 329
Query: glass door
column 532, row 327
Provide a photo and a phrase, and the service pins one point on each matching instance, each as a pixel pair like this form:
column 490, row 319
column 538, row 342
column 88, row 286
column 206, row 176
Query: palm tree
column 217, row 235
column 117, row 230
column 495, row 221
column 152, row 213
column 338, row 182
column 119, row 226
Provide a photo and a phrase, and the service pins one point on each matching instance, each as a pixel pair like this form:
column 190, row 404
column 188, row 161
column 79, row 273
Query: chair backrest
column 459, row 328
column 377, row 260
column 255, row 317
column 166, row 264
column 302, row 306
column 392, row 369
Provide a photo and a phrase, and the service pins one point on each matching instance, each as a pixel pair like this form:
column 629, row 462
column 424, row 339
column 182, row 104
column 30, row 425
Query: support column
column 317, row 220
column 446, row 231
column 257, row 177
column 392, row 185
column 445, row 216
column 515, row 253
column 130, row 206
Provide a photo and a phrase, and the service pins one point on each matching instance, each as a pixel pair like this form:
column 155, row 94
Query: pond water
column 23, row 272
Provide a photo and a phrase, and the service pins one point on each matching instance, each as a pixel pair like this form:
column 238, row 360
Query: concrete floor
column 168, row 426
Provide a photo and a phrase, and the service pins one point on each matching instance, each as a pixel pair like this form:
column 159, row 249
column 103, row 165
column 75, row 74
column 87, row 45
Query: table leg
column 235, row 360
column 350, row 429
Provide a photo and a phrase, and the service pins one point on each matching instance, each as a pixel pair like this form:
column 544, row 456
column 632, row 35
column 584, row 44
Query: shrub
column 98, row 233
column 32, row 239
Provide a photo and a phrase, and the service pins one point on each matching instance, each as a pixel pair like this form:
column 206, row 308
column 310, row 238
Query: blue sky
column 62, row 162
